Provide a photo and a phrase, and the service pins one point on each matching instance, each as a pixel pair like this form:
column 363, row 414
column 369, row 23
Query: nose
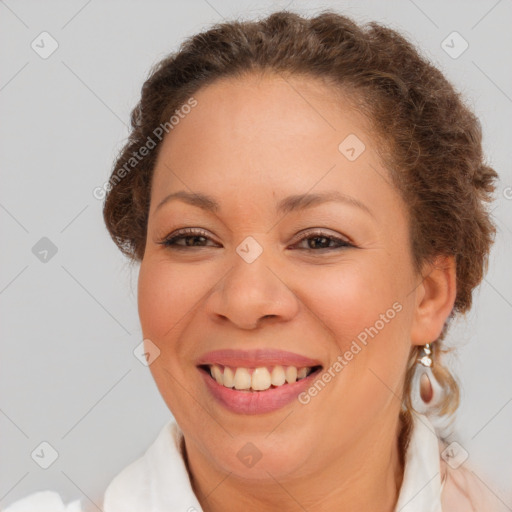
column 251, row 293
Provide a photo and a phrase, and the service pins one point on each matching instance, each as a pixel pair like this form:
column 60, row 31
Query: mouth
column 258, row 379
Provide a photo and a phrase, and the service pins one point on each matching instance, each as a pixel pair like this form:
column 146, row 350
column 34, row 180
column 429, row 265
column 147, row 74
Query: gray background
column 69, row 325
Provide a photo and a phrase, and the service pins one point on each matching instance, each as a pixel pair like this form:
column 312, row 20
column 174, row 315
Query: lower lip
column 257, row 402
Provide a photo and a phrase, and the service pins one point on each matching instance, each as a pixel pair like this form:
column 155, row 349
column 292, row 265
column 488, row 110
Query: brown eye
column 321, row 240
column 192, row 238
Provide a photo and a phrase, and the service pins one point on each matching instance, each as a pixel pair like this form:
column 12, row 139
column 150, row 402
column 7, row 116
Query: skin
column 249, row 143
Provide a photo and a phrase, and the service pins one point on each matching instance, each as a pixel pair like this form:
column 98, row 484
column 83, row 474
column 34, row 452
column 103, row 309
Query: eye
column 192, row 237
column 322, row 240
column 316, row 240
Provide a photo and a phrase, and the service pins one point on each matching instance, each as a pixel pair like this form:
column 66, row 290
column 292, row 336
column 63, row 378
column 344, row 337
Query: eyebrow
column 288, row 204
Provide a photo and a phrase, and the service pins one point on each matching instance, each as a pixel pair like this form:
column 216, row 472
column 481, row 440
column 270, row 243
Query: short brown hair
column 432, row 140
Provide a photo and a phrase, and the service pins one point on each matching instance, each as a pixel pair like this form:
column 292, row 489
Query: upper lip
column 256, row 358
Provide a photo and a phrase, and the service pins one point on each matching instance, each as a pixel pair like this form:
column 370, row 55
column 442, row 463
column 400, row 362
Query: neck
column 366, row 478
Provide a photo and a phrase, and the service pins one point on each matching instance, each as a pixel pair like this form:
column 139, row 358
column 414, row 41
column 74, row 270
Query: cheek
column 355, row 297
column 365, row 311
column 166, row 294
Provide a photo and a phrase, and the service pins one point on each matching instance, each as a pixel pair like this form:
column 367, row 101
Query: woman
column 307, row 202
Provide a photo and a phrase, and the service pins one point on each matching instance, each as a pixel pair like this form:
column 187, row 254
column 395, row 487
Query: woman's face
column 280, row 273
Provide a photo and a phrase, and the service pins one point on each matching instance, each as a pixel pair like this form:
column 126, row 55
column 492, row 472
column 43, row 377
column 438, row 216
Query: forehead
column 267, row 134
column 260, row 107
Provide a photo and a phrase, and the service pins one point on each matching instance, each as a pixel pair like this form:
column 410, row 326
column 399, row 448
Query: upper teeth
column 260, row 378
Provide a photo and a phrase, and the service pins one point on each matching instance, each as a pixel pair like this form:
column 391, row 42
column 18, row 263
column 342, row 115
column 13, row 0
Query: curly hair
column 431, row 141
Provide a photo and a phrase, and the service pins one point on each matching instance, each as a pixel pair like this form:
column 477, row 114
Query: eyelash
column 170, row 242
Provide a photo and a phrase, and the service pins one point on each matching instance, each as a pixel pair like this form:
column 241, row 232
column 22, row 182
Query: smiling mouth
column 257, row 379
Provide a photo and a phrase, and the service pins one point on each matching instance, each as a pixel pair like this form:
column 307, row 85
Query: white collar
column 156, row 482
column 421, row 486
column 159, row 480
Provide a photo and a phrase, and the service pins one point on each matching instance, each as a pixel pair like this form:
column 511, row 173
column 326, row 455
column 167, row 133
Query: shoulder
column 129, row 488
column 159, row 475
column 463, row 490
column 43, row 501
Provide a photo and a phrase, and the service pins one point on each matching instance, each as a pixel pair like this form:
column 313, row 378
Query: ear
column 435, row 297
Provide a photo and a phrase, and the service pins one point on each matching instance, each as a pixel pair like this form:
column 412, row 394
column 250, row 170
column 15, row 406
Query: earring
column 426, row 392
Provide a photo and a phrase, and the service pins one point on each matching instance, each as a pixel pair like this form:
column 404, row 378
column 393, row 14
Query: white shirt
column 159, row 482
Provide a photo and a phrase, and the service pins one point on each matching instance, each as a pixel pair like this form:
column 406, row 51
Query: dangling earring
column 426, row 392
